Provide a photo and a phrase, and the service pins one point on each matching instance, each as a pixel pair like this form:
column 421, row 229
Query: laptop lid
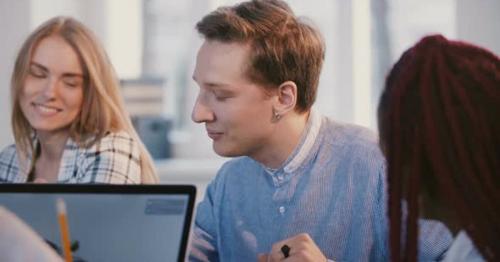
column 109, row 222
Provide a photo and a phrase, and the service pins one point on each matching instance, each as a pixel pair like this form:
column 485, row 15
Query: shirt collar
column 301, row 152
column 462, row 249
column 307, row 141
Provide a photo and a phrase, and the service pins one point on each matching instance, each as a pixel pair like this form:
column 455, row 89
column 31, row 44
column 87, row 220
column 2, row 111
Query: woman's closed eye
column 72, row 81
column 37, row 72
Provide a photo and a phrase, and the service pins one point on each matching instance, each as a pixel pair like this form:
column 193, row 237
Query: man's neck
column 284, row 140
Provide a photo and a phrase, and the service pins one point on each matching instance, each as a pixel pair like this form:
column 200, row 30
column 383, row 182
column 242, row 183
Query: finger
column 281, row 251
column 294, row 242
column 274, row 256
column 263, row 258
column 40, row 181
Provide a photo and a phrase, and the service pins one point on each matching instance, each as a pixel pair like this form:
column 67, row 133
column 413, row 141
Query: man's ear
column 287, row 98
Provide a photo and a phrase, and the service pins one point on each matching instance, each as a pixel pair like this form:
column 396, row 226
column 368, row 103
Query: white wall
column 478, row 21
column 124, row 36
column 117, row 24
column 19, row 17
column 14, row 27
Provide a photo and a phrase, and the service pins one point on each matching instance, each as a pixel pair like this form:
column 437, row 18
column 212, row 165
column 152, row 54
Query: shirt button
column 282, row 209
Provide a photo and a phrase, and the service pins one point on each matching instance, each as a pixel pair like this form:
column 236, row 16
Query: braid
column 439, row 109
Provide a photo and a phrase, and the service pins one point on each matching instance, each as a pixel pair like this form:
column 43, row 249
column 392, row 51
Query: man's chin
column 226, row 152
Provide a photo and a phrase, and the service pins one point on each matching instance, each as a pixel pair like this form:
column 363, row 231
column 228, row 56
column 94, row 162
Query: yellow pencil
column 64, row 227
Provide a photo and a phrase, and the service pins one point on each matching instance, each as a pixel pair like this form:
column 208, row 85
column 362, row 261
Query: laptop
column 109, row 222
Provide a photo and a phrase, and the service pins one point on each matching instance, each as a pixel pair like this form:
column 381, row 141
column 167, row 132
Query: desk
column 194, row 171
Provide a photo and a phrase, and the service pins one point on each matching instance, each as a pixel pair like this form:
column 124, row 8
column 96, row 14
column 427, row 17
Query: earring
column 276, row 116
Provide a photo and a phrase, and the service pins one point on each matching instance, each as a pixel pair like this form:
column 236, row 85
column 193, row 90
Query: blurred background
column 153, row 45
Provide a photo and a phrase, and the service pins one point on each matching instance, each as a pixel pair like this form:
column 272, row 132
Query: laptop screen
column 109, row 222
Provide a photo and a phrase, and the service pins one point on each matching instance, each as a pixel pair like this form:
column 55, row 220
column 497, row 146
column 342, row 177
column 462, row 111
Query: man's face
column 237, row 113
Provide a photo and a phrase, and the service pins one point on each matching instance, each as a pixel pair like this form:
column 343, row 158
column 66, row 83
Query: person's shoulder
column 348, row 134
column 237, row 168
column 115, row 158
column 347, row 131
column 115, row 142
column 352, row 141
column 238, row 164
column 8, row 152
column 113, row 146
column 117, row 137
column 8, row 156
column 235, row 174
column 9, row 165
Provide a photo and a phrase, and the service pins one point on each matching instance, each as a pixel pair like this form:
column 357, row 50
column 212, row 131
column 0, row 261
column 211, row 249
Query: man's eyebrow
column 216, row 85
column 211, row 84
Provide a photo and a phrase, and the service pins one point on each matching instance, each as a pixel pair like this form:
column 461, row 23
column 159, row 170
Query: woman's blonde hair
column 102, row 108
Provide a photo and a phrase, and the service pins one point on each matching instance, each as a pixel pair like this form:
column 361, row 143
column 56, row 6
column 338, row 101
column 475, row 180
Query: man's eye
column 220, row 98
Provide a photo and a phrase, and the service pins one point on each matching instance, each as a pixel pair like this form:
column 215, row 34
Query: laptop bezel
column 189, row 190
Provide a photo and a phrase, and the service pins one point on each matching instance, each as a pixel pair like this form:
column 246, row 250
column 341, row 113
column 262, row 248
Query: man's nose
column 201, row 111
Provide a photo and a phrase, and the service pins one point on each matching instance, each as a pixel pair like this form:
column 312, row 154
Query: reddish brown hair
column 439, row 126
column 283, row 48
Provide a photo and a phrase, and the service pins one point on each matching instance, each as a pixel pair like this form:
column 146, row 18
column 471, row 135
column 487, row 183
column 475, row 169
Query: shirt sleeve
column 434, row 240
column 113, row 160
column 204, row 237
column 381, row 223
column 9, row 168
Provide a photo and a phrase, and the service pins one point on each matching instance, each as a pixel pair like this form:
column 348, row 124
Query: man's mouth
column 214, row 134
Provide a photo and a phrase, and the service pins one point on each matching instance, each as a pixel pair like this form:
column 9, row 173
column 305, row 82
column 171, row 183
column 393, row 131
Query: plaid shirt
column 112, row 160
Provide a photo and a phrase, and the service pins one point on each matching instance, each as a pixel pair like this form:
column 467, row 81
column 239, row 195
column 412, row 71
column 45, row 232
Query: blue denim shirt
column 331, row 187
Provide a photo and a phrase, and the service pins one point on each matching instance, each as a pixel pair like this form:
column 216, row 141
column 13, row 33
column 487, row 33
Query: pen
column 63, row 224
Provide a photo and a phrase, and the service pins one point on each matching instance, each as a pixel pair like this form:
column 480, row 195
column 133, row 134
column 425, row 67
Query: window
column 156, row 40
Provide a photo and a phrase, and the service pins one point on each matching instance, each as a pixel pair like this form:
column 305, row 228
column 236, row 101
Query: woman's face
column 52, row 95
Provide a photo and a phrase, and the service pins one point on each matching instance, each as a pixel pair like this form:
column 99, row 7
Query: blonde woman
column 68, row 118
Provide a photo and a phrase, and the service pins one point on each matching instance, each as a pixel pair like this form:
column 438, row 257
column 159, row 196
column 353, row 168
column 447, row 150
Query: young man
column 303, row 186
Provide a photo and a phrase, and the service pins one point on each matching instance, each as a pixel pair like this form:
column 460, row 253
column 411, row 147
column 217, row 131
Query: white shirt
column 462, row 249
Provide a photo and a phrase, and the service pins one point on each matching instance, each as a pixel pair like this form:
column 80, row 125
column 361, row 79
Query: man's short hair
column 283, row 47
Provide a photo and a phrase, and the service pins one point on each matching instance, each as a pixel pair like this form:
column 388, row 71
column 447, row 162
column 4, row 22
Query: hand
column 302, row 248
column 40, row 181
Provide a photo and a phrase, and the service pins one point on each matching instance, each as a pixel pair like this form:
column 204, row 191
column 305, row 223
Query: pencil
column 64, row 227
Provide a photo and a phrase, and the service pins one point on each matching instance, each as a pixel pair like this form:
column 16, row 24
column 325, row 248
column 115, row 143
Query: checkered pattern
column 112, row 160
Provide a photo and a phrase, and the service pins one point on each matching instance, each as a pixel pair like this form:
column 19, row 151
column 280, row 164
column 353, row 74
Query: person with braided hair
column 439, row 129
